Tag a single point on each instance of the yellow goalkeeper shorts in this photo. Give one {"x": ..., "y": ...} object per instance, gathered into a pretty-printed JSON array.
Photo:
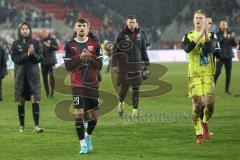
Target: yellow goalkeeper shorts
[{"x": 199, "y": 86}]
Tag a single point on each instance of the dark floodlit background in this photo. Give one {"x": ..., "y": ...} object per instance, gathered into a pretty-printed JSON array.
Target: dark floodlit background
[{"x": 164, "y": 21}]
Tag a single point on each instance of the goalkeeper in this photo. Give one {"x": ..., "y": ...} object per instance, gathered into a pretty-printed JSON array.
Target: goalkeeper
[{"x": 199, "y": 44}]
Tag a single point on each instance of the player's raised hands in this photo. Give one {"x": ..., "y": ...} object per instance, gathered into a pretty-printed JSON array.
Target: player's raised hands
[
  {"x": 30, "y": 50},
  {"x": 86, "y": 55}
]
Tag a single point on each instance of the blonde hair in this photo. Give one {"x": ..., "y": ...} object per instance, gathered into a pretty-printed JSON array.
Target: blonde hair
[{"x": 199, "y": 11}]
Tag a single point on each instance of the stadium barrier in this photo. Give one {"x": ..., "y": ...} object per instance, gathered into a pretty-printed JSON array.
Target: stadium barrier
[{"x": 154, "y": 56}]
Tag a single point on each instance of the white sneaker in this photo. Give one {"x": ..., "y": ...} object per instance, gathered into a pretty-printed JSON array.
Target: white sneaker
[
  {"x": 38, "y": 130},
  {"x": 21, "y": 129},
  {"x": 135, "y": 113},
  {"x": 120, "y": 109}
]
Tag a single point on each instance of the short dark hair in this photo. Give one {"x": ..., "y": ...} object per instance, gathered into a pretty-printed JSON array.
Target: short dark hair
[
  {"x": 131, "y": 17},
  {"x": 82, "y": 20}
]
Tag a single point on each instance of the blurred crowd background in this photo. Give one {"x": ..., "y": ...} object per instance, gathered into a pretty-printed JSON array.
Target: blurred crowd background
[{"x": 164, "y": 21}]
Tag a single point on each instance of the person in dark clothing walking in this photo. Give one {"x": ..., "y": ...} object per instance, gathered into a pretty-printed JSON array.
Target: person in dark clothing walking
[
  {"x": 49, "y": 60},
  {"x": 3, "y": 68},
  {"x": 27, "y": 54},
  {"x": 227, "y": 42},
  {"x": 129, "y": 59}
]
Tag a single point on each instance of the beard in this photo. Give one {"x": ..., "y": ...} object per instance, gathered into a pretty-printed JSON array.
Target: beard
[
  {"x": 81, "y": 34},
  {"x": 25, "y": 35}
]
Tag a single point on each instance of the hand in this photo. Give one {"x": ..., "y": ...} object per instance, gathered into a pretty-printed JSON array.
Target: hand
[
  {"x": 115, "y": 69},
  {"x": 202, "y": 32},
  {"x": 206, "y": 27},
  {"x": 225, "y": 33},
  {"x": 31, "y": 50},
  {"x": 47, "y": 44},
  {"x": 86, "y": 55}
]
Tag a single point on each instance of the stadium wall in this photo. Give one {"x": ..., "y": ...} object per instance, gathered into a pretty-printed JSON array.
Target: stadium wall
[{"x": 154, "y": 56}]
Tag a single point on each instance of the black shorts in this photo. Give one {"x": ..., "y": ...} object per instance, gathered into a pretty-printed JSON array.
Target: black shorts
[{"x": 86, "y": 98}]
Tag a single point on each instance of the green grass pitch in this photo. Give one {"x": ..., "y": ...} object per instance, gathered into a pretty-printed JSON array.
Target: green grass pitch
[{"x": 159, "y": 136}]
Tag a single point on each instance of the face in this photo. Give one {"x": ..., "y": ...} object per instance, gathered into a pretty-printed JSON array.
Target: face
[
  {"x": 131, "y": 24},
  {"x": 223, "y": 25},
  {"x": 209, "y": 23},
  {"x": 25, "y": 31},
  {"x": 45, "y": 33},
  {"x": 82, "y": 29},
  {"x": 199, "y": 20}
]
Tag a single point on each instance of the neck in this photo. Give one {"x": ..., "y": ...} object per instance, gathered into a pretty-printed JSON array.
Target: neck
[
  {"x": 198, "y": 29},
  {"x": 81, "y": 39},
  {"x": 132, "y": 30},
  {"x": 24, "y": 40}
]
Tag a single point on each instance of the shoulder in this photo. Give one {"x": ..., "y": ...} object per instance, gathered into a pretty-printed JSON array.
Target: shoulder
[
  {"x": 36, "y": 42},
  {"x": 187, "y": 36},
  {"x": 70, "y": 42},
  {"x": 15, "y": 42},
  {"x": 122, "y": 33},
  {"x": 213, "y": 35}
]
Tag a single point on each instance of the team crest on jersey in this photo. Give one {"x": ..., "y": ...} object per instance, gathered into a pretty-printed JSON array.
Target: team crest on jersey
[
  {"x": 74, "y": 48},
  {"x": 138, "y": 37},
  {"x": 90, "y": 48},
  {"x": 127, "y": 37},
  {"x": 20, "y": 48}
]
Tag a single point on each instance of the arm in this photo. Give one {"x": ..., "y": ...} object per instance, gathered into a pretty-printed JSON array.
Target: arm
[
  {"x": 71, "y": 63},
  {"x": 116, "y": 51},
  {"x": 54, "y": 44},
  {"x": 37, "y": 54},
  {"x": 215, "y": 45},
  {"x": 144, "y": 54},
  {"x": 233, "y": 42},
  {"x": 97, "y": 62},
  {"x": 3, "y": 63},
  {"x": 188, "y": 45},
  {"x": 16, "y": 57}
]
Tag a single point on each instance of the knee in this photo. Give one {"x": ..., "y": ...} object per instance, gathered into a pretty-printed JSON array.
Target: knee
[
  {"x": 135, "y": 88},
  {"x": 33, "y": 99},
  {"x": 210, "y": 102},
  {"x": 79, "y": 113},
  {"x": 21, "y": 102},
  {"x": 197, "y": 105},
  {"x": 92, "y": 115},
  {"x": 198, "y": 101}
]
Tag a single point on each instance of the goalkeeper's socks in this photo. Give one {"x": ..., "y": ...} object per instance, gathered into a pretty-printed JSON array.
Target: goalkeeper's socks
[
  {"x": 21, "y": 114},
  {"x": 79, "y": 128},
  {"x": 35, "y": 113}
]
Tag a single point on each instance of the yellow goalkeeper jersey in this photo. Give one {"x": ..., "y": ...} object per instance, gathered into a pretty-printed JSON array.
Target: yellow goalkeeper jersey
[{"x": 195, "y": 55}]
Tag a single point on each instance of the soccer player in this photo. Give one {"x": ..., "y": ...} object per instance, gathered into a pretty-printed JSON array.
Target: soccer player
[
  {"x": 199, "y": 46},
  {"x": 83, "y": 59},
  {"x": 129, "y": 58},
  {"x": 49, "y": 60},
  {"x": 27, "y": 54},
  {"x": 3, "y": 68}
]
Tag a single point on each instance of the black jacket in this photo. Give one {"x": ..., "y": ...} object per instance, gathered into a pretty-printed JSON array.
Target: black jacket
[
  {"x": 49, "y": 55},
  {"x": 27, "y": 71},
  {"x": 226, "y": 45},
  {"x": 3, "y": 63},
  {"x": 130, "y": 55}
]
